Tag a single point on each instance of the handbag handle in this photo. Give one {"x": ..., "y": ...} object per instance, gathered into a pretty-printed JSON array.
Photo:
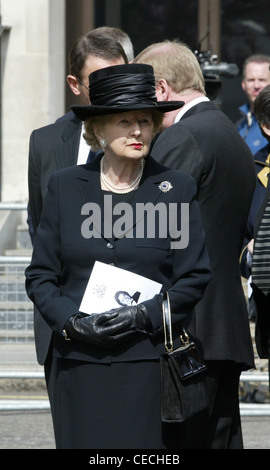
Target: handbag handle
[{"x": 167, "y": 324}]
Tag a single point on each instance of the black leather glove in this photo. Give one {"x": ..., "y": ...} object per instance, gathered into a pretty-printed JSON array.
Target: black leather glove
[
  {"x": 136, "y": 318},
  {"x": 97, "y": 329}
]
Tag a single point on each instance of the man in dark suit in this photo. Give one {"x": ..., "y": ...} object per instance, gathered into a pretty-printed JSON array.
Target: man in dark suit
[
  {"x": 200, "y": 140},
  {"x": 61, "y": 145}
]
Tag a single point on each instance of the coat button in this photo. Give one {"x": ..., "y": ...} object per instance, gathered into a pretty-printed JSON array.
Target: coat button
[{"x": 109, "y": 245}]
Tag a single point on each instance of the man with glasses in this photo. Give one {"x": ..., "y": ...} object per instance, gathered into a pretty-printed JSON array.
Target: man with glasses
[{"x": 62, "y": 144}]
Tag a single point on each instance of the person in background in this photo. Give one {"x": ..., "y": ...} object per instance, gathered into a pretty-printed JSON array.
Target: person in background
[
  {"x": 259, "y": 301},
  {"x": 201, "y": 140},
  {"x": 261, "y": 276},
  {"x": 262, "y": 165},
  {"x": 121, "y": 37},
  {"x": 64, "y": 139},
  {"x": 106, "y": 366},
  {"x": 82, "y": 52},
  {"x": 256, "y": 75},
  {"x": 60, "y": 145}
]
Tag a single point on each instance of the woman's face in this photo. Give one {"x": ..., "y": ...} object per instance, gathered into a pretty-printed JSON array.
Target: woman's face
[{"x": 127, "y": 134}]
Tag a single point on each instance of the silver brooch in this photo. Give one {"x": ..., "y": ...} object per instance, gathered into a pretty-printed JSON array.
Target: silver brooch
[{"x": 165, "y": 186}]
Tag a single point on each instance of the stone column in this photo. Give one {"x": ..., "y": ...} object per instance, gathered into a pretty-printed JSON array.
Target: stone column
[{"x": 32, "y": 83}]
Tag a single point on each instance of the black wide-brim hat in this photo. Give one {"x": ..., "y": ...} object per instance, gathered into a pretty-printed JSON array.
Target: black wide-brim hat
[{"x": 121, "y": 88}]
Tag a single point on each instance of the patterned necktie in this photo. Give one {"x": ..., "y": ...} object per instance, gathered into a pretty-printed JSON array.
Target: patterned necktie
[{"x": 261, "y": 253}]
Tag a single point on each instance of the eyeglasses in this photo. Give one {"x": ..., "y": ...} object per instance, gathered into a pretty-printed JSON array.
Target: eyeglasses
[{"x": 83, "y": 84}]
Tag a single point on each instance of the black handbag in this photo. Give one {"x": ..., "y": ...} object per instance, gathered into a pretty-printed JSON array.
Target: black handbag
[{"x": 183, "y": 390}]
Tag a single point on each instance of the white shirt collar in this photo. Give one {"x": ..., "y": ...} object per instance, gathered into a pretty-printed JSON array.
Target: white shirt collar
[
  {"x": 84, "y": 149},
  {"x": 189, "y": 105}
]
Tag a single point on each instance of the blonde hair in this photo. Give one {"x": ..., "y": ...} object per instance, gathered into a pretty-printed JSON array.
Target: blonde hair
[
  {"x": 175, "y": 62},
  {"x": 94, "y": 121}
]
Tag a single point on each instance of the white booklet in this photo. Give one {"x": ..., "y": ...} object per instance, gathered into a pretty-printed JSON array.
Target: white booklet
[{"x": 110, "y": 287}]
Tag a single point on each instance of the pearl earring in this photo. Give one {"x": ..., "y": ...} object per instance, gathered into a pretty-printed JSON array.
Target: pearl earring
[{"x": 103, "y": 143}]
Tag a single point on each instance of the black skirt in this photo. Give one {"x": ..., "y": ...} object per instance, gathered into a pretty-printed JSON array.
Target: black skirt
[{"x": 115, "y": 406}]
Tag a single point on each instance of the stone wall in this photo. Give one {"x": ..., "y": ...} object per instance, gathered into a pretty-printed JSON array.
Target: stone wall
[{"x": 32, "y": 82}]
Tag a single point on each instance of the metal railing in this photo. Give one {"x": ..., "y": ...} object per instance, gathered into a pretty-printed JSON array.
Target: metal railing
[
  {"x": 16, "y": 315},
  {"x": 17, "y": 349},
  {"x": 13, "y": 206}
]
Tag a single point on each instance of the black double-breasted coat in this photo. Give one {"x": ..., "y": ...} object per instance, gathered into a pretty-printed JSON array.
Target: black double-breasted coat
[
  {"x": 63, "y": 258},
  {"x": 62, "y": 261}
]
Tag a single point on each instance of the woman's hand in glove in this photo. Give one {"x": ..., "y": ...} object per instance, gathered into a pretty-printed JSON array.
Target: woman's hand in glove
[
  {"x": 98, "y": 329},
  {"x": 135, "y": 316}
]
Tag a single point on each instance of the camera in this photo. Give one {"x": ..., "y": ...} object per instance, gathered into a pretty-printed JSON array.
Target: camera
[
  {"x": 212, "y": 68},
  {"x": 213, "y": 71}
]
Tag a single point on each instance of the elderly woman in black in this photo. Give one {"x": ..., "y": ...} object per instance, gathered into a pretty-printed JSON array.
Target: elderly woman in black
[{"x": 107, "y": 364}]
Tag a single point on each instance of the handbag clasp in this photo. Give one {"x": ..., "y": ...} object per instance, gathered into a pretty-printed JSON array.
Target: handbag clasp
[{"x": 184, "y": 337}]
